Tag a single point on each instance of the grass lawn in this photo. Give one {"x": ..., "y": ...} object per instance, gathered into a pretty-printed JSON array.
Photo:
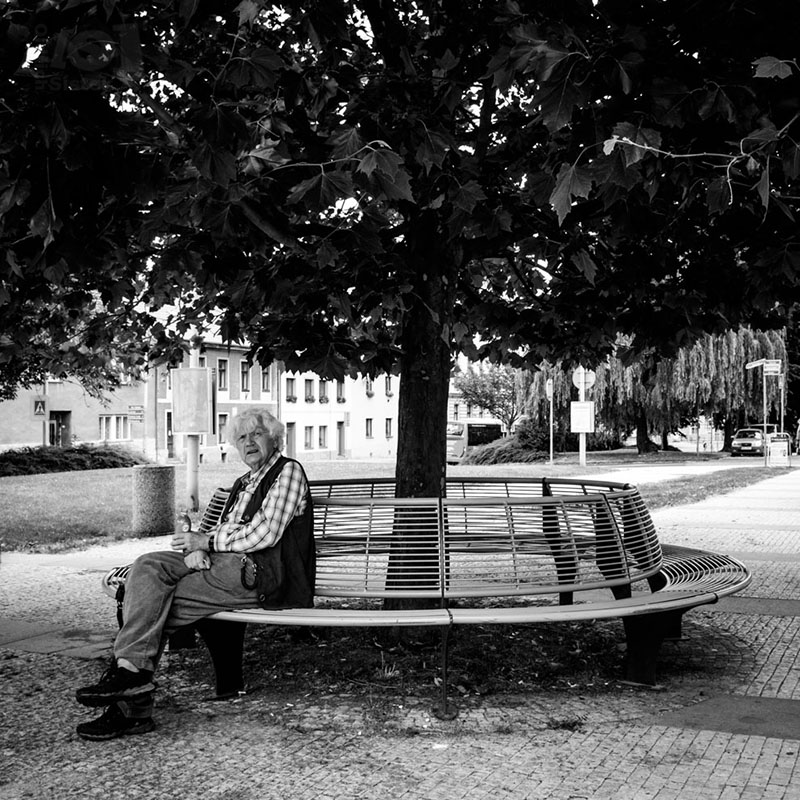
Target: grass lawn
[{"x": 67, "y": 510}]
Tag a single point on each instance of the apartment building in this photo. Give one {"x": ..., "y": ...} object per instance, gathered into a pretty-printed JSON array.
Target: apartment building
[{"x": 349, "y": 419}]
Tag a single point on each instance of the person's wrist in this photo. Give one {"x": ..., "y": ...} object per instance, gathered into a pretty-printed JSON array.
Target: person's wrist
[{"x": 209, "y": 547}]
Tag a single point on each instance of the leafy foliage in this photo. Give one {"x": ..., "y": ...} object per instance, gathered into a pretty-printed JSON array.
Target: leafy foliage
[
  {"x": 708, "y": 378},
  {"x": 37, "y": 460},
  {"x": 493, "y": 388},
  {"x": 362, "y": 186}
]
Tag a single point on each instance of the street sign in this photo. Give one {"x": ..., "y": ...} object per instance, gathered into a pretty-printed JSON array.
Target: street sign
[
  {"x": 581, "y": 417},
  {"x": 136, "y": 413},
  {"x": 587, "y": 376},
  {"x": 548, "y": 388},
  {"x": 772, "y": 366},
  {"x": 40, "y": 407},
  {"x": 192, "y": 400}
]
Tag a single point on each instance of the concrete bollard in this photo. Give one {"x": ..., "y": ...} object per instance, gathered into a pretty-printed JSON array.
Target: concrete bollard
[{"x": 153, "y": 500}]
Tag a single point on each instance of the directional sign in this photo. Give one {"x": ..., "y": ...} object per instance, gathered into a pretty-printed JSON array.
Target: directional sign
[
  {"x": 586, "y": 375},
  {"x": 772, "y": 366}
]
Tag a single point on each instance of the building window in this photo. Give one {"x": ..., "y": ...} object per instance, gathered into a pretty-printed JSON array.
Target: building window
[
  {"x": 291, "y": 391},
  {"x": 309, "y": 437},
  {"x": 222, "y": 374},
  {"x": 244, "y": 369},
  {"x": 369, "y": 428},
  {"x": 266, "y": 383},
  {"x": 455, "y": 410},
  {"x": 222, "y": 428},
  {"x": 323, "y": 437},
  {"x": 309, "y": 390},
  {"x": 388, "y": 427},
  {"x": 389, "y": 392},
  {"x": 340, "y": 398},
  {"x": 114, "y": 427},
  {"x": 368, "y": 384},
  {"x": 469, "y": 410},
  {"x": 323, "y": 391}
]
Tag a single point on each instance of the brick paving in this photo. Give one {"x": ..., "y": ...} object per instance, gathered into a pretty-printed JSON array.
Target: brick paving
[{"x": 712, "y": 732}]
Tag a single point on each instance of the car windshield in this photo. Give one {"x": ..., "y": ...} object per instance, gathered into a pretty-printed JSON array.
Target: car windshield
[{"x": 748, "y": 435}]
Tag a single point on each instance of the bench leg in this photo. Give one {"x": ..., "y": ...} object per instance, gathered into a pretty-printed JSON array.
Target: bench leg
[
  {"x": 444, "y": 709},
  {"x": 225, "y": 642},
  {"x": 644, "y": 635}
]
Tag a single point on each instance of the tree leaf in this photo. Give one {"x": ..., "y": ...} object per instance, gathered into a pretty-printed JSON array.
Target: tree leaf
[
  {"x": 771, "y": 67},
  {"x": 322, "y": 190},
  {"x": 585, "y": 264},
  {"x": 558, "y": 101},
  {"x": 468, "y": 196},
  {"x": 395, "y": 188},
  {"x": 763, "y": 189},
  {"x": 345, "y": 143},
  {"x": 386, "y": 162},
  {"x": 571, "y": 182},
  {"x": 646, "y": 138}
]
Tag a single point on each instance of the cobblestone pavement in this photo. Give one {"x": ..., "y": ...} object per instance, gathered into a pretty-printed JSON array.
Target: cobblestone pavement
[{"x": 722, "y": 727}]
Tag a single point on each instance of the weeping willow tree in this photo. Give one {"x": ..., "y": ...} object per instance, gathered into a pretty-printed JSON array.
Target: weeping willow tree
[{"x": 708, "y": 379}]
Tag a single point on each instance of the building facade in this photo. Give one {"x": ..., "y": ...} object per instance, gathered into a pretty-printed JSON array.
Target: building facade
[{"x": 352, "y": 418}]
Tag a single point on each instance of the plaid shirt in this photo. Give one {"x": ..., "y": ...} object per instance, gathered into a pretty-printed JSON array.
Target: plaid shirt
[{"x": 283, "y": 502}]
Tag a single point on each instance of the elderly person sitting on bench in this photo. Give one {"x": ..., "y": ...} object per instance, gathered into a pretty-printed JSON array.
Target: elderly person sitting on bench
[{"x": 260, "y": 554}]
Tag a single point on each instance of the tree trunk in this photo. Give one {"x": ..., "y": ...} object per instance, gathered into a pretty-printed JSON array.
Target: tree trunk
[
  {"x": 643, "y": 443},
  {"x": 422, "y": 417},
  {"x": 425, "y": 375}
]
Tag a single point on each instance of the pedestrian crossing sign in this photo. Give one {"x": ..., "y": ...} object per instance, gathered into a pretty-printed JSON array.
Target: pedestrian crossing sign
[{"x": 39, "y": 407}]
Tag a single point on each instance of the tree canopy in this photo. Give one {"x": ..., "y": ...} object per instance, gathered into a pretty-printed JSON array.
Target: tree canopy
[{"x": 370, "y": 185}]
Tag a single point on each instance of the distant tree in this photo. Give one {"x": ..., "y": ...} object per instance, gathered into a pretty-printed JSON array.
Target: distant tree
[
  {"x": 495, "y": 388},
  {"x": 706, "y": 379}
]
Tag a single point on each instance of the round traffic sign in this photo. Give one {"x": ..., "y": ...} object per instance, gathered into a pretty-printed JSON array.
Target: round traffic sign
[{"x": 588, "y": 377}]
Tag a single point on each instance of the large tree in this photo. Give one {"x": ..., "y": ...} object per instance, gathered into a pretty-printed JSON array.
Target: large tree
[{"x": 369, "y": 185}]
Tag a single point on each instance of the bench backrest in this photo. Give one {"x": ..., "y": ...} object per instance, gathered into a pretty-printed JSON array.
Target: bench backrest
[
  {"x": 466, "y": 547},
  {"x": 498, "y": 536}
]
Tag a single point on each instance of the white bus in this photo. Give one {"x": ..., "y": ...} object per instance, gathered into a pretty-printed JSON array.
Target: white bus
[{"x": 465, "y": 435}]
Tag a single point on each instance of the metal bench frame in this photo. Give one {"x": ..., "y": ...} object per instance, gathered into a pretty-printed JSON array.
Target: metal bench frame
[{"x": 551, "y": 550}]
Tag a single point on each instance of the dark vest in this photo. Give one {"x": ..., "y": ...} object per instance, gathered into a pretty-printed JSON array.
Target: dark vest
[{"x": 285, "y": 573}]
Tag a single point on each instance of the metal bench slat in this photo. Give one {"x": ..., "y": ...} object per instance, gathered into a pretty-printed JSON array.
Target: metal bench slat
[{"x": 337, "y": 617}]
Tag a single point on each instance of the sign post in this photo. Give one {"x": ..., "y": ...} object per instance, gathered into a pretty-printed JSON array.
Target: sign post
[
  {"x": 582, "y": 413},
  {"x": 192, "y": 405},
  {"x": 40, "y": 413},
  {"x": 771, "y": 366},
  {"x": 548, "y": 390}
]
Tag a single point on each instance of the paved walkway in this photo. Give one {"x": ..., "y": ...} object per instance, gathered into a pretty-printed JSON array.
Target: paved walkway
[{"x": 723, "y": 727}]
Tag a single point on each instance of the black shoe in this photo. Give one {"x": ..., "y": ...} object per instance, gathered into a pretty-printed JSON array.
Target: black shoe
[
  {"x": 117, "y": 683},
  {"x": 112, "y": 724}
]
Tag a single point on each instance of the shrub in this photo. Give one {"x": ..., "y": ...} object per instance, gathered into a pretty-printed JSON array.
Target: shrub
[
  {"x": 504, "y": 451},
  {"x": 531, "y": 442},
  {"x": 35, "y": 460}
]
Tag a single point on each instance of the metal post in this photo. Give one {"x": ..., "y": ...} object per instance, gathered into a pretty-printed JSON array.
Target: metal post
[
  {"x": 193, "y": 453},
  {"x": 549, "y": 393},
  {"x": 764, "y": 400},
  {"x": 582, "y": 398}
]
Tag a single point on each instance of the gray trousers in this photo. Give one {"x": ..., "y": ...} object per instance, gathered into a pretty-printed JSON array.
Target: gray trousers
[{"x": 161, "y": 595}]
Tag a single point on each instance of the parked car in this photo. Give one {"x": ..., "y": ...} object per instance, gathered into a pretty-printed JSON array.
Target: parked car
[{"x": 748, "y": 442}]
